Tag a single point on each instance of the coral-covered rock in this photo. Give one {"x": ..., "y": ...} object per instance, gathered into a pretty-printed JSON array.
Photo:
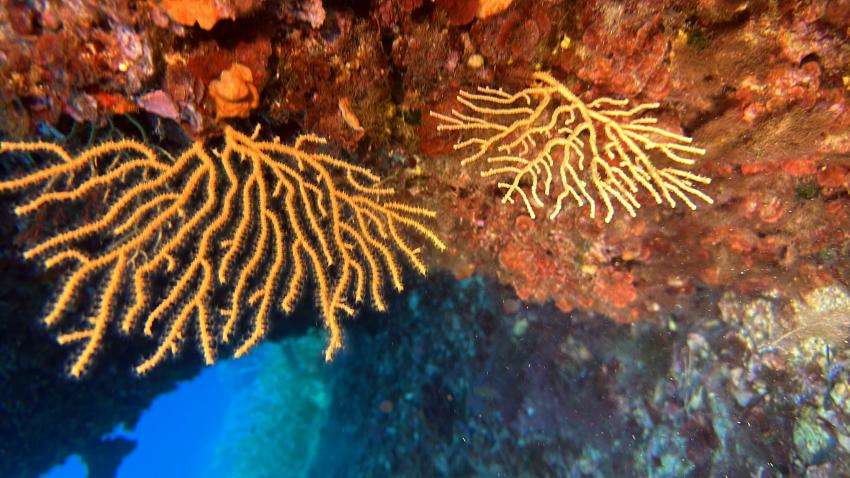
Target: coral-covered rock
[
  {"x": 325, "y": 82},
  {"x": 311, "y": 12},
  {"x": 189, "y": 75},
  {"x": 764, "y": 97},
  {"x": 59, "y": 56},
  {"x": 159, "y": 103},
  {"x": 623, "y": 49},
  {"x": 520, "y": 36},
  {"x": 395, "y": 14},
  {"x": 459, "y": 12}
]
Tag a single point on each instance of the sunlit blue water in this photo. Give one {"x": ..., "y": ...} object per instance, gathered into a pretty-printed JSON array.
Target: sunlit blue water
[
  {"x": 175, "y": 437},
  {"x": 209, "y": 425}
]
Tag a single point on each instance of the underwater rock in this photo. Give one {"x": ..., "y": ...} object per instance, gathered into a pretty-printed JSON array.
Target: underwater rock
[
  {"x": 159, "y": 103},
  {"x": 624, "y": 50},
  {"x": 310, "y": 11},
  {"x": 61, "y": 54},
  {"x": 459, "y": 12},
  {"x": 105, "y": 456},
  {"x": 812, "y": 439}
]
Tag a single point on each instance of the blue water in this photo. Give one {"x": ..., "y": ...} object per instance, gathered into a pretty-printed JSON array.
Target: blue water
[
  {"x": 273, "y": 401},
  {"x": 175, "y": 437},
  {"x": 72, "y": 468}
]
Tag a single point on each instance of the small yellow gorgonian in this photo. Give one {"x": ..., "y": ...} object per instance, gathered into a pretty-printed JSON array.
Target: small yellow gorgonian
[{"x": 545, "y": 141}]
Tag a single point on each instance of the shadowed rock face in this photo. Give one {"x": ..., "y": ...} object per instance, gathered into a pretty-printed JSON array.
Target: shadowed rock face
[{"x": 106, "y": 456}]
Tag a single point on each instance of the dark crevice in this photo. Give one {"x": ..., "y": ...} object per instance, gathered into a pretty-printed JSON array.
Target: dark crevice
[
  {"x": 360, "y": 8},
  {"x": 720, "y": 104}
]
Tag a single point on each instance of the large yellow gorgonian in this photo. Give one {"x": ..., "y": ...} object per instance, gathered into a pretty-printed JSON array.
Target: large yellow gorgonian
[
  {"x": 545, "y": 140},
  {"x": 243, "y": 227}
]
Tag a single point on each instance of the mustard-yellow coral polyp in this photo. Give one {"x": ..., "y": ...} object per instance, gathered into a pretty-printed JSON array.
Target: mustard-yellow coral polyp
[
  {"x": 252, "y": 222},
  {"x": 545, "y": 141}
]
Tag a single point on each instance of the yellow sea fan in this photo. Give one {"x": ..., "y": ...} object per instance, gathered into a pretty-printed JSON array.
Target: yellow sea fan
[{"x": 252, "y": 221}]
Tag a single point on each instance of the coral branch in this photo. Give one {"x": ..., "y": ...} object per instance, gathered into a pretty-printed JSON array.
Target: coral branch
[
  {"x": 181, "y": 233},
  {"x": 595, "y": 151}
]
